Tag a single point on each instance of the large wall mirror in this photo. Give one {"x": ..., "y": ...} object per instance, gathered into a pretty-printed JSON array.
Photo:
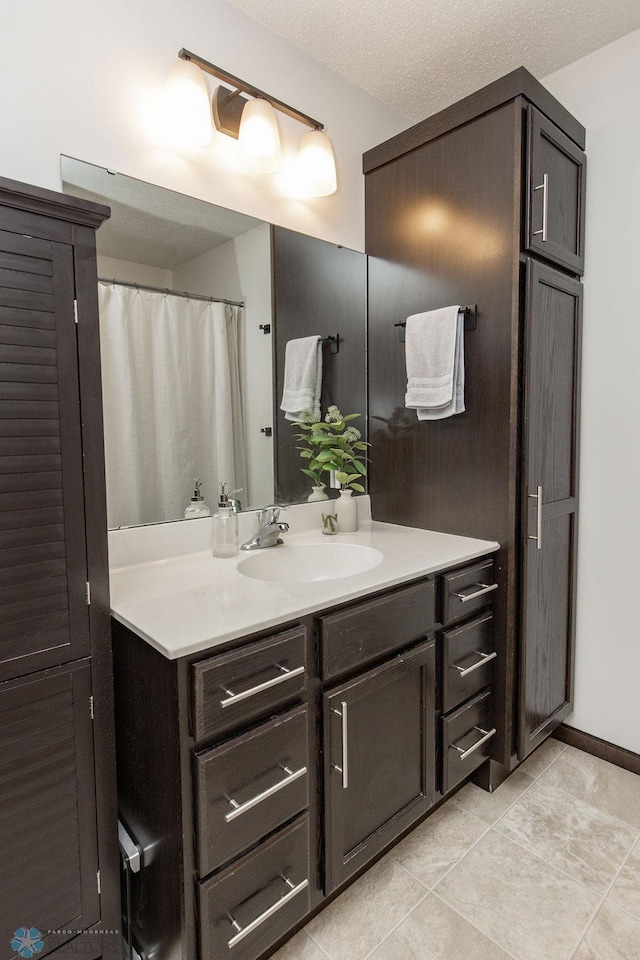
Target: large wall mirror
[{"x": 197, "y": 303}]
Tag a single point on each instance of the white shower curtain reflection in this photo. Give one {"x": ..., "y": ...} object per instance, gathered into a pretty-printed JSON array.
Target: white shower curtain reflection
[{"x": 172, "y": 405}]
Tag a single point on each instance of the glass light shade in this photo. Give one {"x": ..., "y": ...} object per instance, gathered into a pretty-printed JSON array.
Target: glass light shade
[
  {"x": 317, "y": 164},
  {"x": 258, "y": 138},
  {"x": 187, "y": 107}
]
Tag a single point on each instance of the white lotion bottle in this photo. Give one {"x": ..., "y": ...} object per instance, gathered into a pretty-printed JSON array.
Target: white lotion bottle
[{"x": 224, "y": 542}]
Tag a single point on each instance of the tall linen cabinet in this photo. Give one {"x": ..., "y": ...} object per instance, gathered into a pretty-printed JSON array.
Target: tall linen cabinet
[
  {"x": 483, "y": 204},
  {"x": 59, "y": 874}
]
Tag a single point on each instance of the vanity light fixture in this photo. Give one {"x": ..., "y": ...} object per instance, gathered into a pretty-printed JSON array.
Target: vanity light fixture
[
  {"x": 251, "y": 120},
  {"x": 258, "y": 138},
  {"x": 187, "y": 110}
]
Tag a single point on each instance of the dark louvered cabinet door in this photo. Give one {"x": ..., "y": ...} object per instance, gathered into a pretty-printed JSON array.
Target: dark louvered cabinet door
[
  {"x": 550, "y": 501},
  {"x": 48, "y": 816},
  {"x": 43, "y": 607}
]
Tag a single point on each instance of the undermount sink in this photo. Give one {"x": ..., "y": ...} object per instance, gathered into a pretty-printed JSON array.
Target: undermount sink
[{"x": 306, "y": 563}]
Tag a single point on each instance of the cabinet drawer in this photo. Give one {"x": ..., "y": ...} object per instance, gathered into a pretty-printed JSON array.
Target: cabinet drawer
[
  {"x": 467, "y": 590},
  {"x": 467, "y": 660},
  {"x": 249, "y": 786},
  {"x": 353, "y": 637},
  {"x": 233, "y": 688},
  {"x": 251, "y": 904},
  {"x": 466, "y": 740}
]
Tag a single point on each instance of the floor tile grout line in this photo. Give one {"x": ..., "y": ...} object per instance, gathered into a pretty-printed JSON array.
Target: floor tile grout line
[
  {"x": 507, "y": 953},
  {"x": 315, "y": 943},
  {"x": 454, "y": 865},
  {"x": 401, "y": 921},
  {"x": 566, "y": 793},
  {"x": 612, "y": 903},
  {"x": 596, "y": 893},
  {"x": 387, "y": 935},
  {"x": 603, "y": 813},
  {"x": 505, "y": 811},
  {"x": 602, "y": 898},
  {"x": 586, "y": 929},
  {"x": 583, "y": 932},
  {"x": 615, "y": 880}
]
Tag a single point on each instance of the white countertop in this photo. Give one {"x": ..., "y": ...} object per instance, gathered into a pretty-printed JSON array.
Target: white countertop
[{"x": 192, "y": 602}]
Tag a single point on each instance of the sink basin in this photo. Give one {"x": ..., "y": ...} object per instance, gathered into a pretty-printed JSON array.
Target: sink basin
[{"x": 306, "y": 563}]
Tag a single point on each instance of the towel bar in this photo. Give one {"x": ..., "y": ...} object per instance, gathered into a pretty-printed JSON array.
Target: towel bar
[
  {"x": 470, "y": 321},
  {"x": 334, "y": 341}
]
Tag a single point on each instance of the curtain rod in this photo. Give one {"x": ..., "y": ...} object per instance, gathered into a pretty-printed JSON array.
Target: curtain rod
[{"x": 170, "y": 293}]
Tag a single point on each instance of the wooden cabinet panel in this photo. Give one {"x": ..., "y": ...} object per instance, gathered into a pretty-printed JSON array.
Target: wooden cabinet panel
[
  {"x": 551, "y": 400},
  {"x": 555, "y": 193},
  {"x": 57, "y": 784},
  {"x": 247, "y": 907},
  {"x": 44, "y": 619},
  {"x": 49, "y": 862},
  {"x": 379, "y": 764},
  {"x": 249, "y": 786},
  {"x": 357, "y": 635},
  {"x": 233, "y": 688},
  {"x": 466, "y": 740},
  {"x": 467, "y": 660},
  {"x": 547, "y": 674}
]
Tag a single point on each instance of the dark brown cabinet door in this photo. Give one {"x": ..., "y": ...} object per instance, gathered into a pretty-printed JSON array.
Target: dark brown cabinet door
[
  {"x": 551, "y": 397},
  {"x": 43, "y": 608},
  {"x": 48, "y": 822},
  {"x": 556, "y": 194},
  {"x": 379, "y": 758}
]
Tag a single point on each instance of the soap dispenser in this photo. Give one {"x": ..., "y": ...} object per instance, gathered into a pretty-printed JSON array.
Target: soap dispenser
[
  {"x": 197, "y": 507},
  {"x": 225, "y": 528}
]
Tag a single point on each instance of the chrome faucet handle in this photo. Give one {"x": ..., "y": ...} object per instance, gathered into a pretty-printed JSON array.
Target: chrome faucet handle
[{"x": 270, "y": 514}]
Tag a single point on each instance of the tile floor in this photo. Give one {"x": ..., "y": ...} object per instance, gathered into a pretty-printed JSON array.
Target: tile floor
[{"x": 546, "y": 868}]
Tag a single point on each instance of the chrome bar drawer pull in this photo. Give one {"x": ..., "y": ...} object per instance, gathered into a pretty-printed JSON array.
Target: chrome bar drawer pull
[
  {"x": 250, "y": 927},
  {"x": 484, "y": 658},
  {"x": 538, "y": 498},
  {"x": 486, "y": 735},
  {"x": 484, "y": 588},
  {"x": 544, "y": 186},
  {"x": 240, "y": 808},
  {"x": 344, "y": 769},
  {"x": 252, "y": 691}
]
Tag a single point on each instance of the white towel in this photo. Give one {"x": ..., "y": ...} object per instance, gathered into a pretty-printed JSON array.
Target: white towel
[
  {"x": 302, "y": 377},
  {"x": 435, "y": 363}
]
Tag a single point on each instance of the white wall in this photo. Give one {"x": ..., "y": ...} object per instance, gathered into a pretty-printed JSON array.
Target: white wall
[
  {"x": 241, "y": 270},
  {"x": 602, "y": 92},
  {"x": 111, "y": 268},
  {"x": 81, "y": 78}
]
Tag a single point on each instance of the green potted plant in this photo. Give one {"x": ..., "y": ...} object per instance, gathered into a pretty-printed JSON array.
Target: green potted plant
[
  {"x": 309, "y": 445},
  {"x": 334, "y": 445}
]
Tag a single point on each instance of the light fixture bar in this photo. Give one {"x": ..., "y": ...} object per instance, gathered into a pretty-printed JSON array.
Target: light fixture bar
[{"x": 247, "y": 88}]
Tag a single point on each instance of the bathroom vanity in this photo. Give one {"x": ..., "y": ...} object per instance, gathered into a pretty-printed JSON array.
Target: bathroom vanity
[{"x": 275, "y": 736}]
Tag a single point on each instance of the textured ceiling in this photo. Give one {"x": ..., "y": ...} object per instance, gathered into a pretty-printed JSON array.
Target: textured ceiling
[
  {"x": 149, "y": 224},
  {"x": 419, "y": 56}
]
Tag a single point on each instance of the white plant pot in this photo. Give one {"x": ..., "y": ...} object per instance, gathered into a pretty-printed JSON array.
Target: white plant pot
[
  {"x": 317, "y": 493},
  {"x": 346, "y": 512}
]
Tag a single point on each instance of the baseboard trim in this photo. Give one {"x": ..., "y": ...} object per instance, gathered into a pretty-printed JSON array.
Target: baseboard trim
[{"x": 622, "y": 757}]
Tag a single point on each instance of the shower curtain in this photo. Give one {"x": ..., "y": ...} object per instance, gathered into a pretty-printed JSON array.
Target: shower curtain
[{"x": 172, "y": 405}]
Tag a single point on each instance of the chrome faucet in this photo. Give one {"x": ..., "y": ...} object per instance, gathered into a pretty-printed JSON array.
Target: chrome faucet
[{"x": 269, "y": 529}]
